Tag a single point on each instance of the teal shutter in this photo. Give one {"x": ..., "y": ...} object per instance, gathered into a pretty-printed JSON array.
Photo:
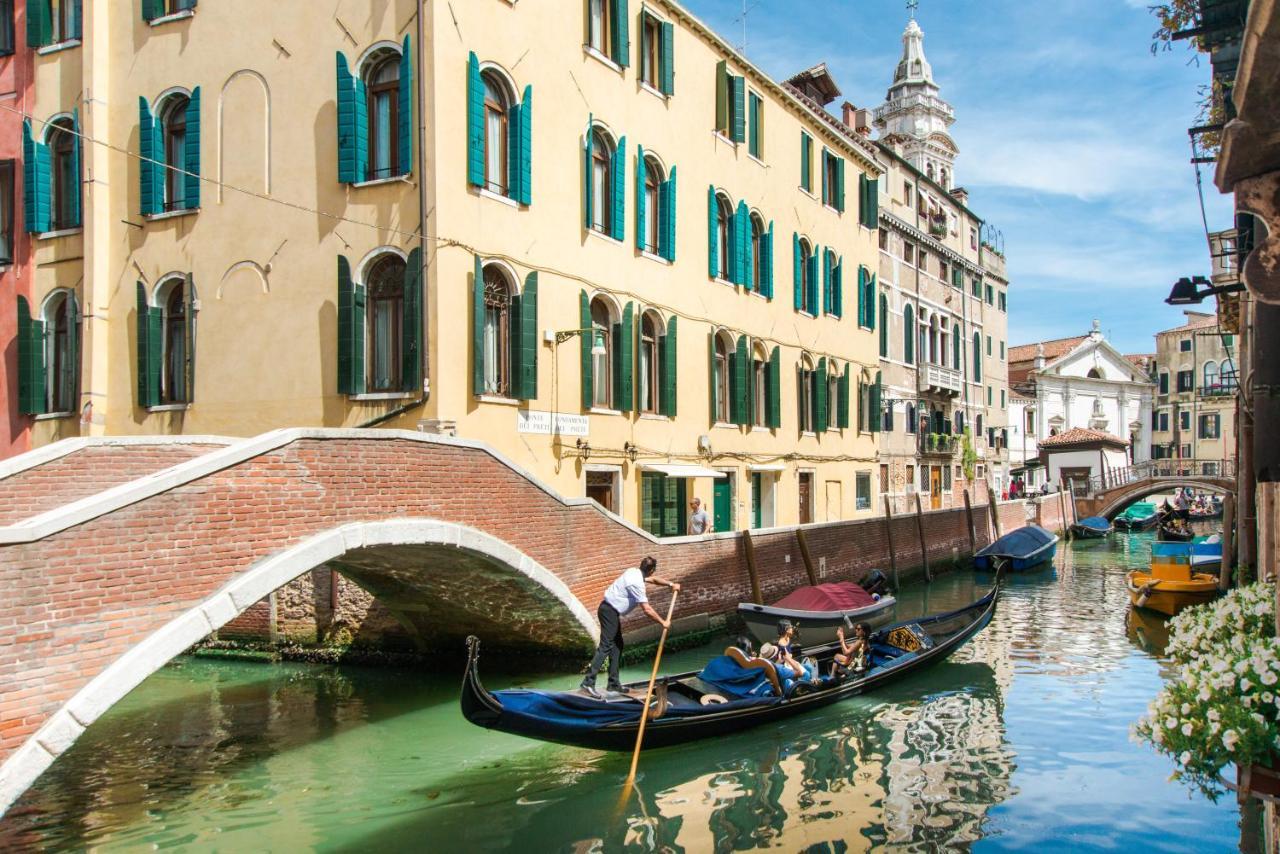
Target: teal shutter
[
  {"x": 477, "y": 327},
  {"x": 152, "y": 9},
  {"x": 411, "y": 323},
  {"x": 766, "y": 263},
  {"x": 977, "y": 357},
  {"x": 624, "y": 360},
  {"x": 141, "y": 320},
  {"x": 640, "y": 200},
  {"x": 773, "y": 400},
  {"x": 711, "y": 355},
  {"x": 820, "y": 396},
  {"x": 350, "y": 332},
  {"x": 191, "y": 153},
  {"x": 618, "y": 223},
  {"x": 75, "y": 18},
  {"x": 740, "y": 380},
  {"x": 39, "y": 23},
  {"x": 585, "y": 343},
  {"x": 670, "y": 372},
  {"x": 525, "y": 196},
  {"x": 475, "y": 124},
  {"x": 155, "y": 354},
  {"x": 839, "y": 201},
  {"x": 826, "y": 280},
  {"x": 806, "y": 165},
  {"x": 908, "y": 334},
  {"x": 722, "y": 97},
  {"x": 668, "y": 76},
  {"x": 189, "y": 339},
  {"x": 74, "y": 206},
  {"x": 36, "y": 183},
  {"x": 741, "y": 240},
  {"x": 739, "y": 86},
  {"x": 826, "y": 197},
  {"x": 753, "y": 131},
  {"x": 621, "y": 34},
  {"x": 873, "y": 195},
  {"x": 863, "y": 308},
  {"x": 749, "y": 253},
  {"x": 713, "y": 241},
  {"x": 667, "y": 217},
  {"x": 150, "y": 202},
  {"x": 875, "y": 416},
  {"x": 405, "y": 108},
  {"x": 842, "y": 408},
  {"x": 353, "y": 126},
  {"x": 812, "y": 296},
  {"x": 955, "y": 350},
  {"x": 71, "y": 370},
  {"x": 837, "y": 289},
  {"x": 588, "y": 187},
  {"x": 797, "y": 271},
  {"x": 515, "y": 116},
  {"x": 871, "y": 302},
  {"x": 884, "y": 330},
  {"x": 527, "y": 371},
  {"x": 31, "y": 376}
]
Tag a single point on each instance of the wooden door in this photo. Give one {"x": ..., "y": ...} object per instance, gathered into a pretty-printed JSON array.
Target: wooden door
[
  {"x": 806, "y": 497},
  {"x": 722, "y": 501},
  {"x": 935, "y": 487}
]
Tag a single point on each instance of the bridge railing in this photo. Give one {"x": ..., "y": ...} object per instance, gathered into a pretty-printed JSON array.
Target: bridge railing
[{"x": 1165, "y": 468}]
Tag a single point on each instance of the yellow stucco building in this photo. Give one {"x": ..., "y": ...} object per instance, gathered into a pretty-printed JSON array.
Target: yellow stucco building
[{"x": 586, "y": 232}]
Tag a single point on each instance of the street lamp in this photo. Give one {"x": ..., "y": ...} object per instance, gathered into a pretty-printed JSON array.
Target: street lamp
[
  {"x": 1186, "y": 291},
  {"x": 597, "y": 338}
]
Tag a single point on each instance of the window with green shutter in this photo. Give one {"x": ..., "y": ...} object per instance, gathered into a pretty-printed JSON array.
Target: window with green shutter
[
  {"x": 875, "y": 414},
  {"x": 656, "y": 61},
  {"x": 48, "y": 24},
  {"x": 36, "y": 183},
  {"x": 604, "y": 176},
  {"x": 832, "y": 179},
  {"x": 868, "y": 201},
  {"x": 806, "y": 162},
  {"x": 820, "y": 409},
  {"x": 624, "y": 334},
  {"x": 155, "y": 11},
  {"x": 842, "y": 408},
  {"x": 908, "y": 334},
  {"x": 731, "y": 104},
  {"x": 755, "y": 125},
  {"x": 662, "y": 503},
  {"x": 169, "y": 171},
  {"x": 351, "y": 321},
  {"x": 884, "y": 327},
  {"x": 773, "y": 393},
  {"x": 977, "y": 357},
  {"x": 740, "y": 382},
  {"x": 150, "y": 349},
  {"x": 31, "y": 367},
  {"x": 668, "y": 369}
]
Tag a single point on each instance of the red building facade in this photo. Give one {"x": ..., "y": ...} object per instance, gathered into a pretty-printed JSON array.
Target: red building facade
[{"x": 16, "y": 268}]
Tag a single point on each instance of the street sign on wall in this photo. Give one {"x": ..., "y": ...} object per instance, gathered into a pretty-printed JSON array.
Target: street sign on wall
[{"x": 547, "y": 423}]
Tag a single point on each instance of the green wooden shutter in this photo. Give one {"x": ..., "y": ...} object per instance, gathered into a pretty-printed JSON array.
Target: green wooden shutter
[
  {"x": 588, "y": 186},
  {"x": 741, "y": 242},
  {"x": 908, "y": 334},
  {"x": 36, "y": 186},
  {"x": 955, "y": 352},
  {"x": 773, "y": 402},
  {"x": 152, "y": 9},
  {"x": 71, "y": 369},
  {"x": 826, "y": 196},
  {"x": 749, "y": 253},
  {"x": 977, "y": 357},
  {"x": 411, "y": 324},
  {"x": 346, "y": 328},
  {"x": 640, "y": 200},
  {"x": 863, "y": 308},
  {"x": 39, "y": 23},
  {"x": 525, "y": 172},
  {"x": 874, "y": 417},
  {"x": 839, "y": 203},
  {"x": 670, "y": 374},
  {"x": 722, "y": 96},
  {"x": 477, "y": 327},
  {"x": 618, "y": 224},
  {"x": 31, "y": 393},
  {"x": 668, "y": 76},
  {"x": 147, "y": 165},
  {"x": 528, "y": 365},
  {"x": 806, "y": 164},
  {"x": 624, "y": 363},
  {"x": 826, "y": 280},
  {"x": 349, "y": 161},
  {"x": 797, "y": 271},
  {"x": 884, "y": 329},
  {"x": 820, "y": 396},
  {"x": 621, "y": 33},
  {"x": 713, "y": 241},
  {"x": 74, "y": 203},
  {"x": 515, "y": 116},
  {"x": 739, "y": 86},
  {"x": 837, "y": 289},
  {"x": 141, "y": 320},
  {"x": 871, "y": 301},
  {"x": 753, "y": 121},
  {"x": 475, "y": 123},
  {"x": 871, "y": 211},
  {"x": 155, "y": 354},
  {"x": 713, "y": 396},
  {"x": 585, "y": 343},
  {"x": 740, "y": 380},
  {"x": 766, "y": 263},
  {"x": 189, "y": 338},
  {"x": 667, "y": 217},
  {"x": 842, "y": 409},
  {"x": 191, "y": 153},
  {"x": 650, "y": 507},
  {"x": 812, "y": 296},
  {"x": 405, "y": 108},
  {"x": 75, "y": 20}
]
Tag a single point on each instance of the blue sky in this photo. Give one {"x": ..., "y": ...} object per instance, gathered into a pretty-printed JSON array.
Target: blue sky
[{"x": 1072, "y": 136}]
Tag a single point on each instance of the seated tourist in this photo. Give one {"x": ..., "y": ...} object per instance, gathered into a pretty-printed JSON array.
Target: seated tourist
[
  {"x": 853, "y": 655},
  {"x": 786, "y": 674},
  {"x": 786, "y": 640}
]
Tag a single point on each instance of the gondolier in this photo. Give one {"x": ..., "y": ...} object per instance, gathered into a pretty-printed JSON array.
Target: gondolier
[{"x": 622, "y": 597}]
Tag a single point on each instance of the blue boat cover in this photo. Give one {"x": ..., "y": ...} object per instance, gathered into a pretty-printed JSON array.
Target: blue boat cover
[
  {"x": 734, "y": 680},
  {"x": 1097, "y": 523},
  {"x": 1019, "y": 543}
]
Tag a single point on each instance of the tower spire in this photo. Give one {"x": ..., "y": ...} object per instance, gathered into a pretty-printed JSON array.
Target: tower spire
[
  {"x": 914, "y": 118},
  {"x": 912, "y": 5}
]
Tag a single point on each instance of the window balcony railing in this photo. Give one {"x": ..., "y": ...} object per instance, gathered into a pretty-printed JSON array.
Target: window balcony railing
[
  {"x": 938, "y": 443},
  {"x": 939, "y": 379}
]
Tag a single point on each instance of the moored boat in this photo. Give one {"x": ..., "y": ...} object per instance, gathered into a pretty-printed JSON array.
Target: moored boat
[
  {"x": 1170, "y": 533},
  {"x": 1018, "y": 551},
  {"x": 1171, "y": 584},
  {"x": 1140, "y": 516},
  {"x": 732, "y": 693},
  {"x": 818, "y": 611},
  {"x": 1091, "y": 528}
]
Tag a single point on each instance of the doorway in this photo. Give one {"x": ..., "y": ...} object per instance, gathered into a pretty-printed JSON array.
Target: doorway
[
  {"x": 935, "y": 487},
  {"x": 603, "y": 488},
  {"x": 806, "y": 497},
  {"x": 722, "y": 503}
]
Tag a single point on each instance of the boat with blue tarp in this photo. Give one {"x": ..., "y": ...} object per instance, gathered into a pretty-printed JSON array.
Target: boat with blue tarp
[
  {"x": 733, "y": 692},
  {"x": 1139, "y": 516},
  {"x": 1091, "y": 528},
  {"x": 1025, "y": 549}
]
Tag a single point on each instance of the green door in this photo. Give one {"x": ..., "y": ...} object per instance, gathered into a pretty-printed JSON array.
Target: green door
[
  {"x": 723, "y": 500},
  {"x": 757, "y": 500}
]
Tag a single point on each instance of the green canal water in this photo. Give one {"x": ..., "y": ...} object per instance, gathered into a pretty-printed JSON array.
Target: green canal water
[{"x": 1020, "y": 741}]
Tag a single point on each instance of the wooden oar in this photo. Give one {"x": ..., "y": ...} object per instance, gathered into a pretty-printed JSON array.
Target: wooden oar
[{"x": 648, "y": 694}]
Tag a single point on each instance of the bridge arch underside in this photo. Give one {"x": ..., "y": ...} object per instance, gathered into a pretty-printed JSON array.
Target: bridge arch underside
[{"x": 1115, "y": 502}]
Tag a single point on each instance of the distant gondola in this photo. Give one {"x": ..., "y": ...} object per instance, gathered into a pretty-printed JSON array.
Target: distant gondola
[
  {"x": 1170, "y": 534},
  {"x": 1091, "y": 528},
  {"x": 1018, "y": 551},
  {"x": 689, "y": 708}
]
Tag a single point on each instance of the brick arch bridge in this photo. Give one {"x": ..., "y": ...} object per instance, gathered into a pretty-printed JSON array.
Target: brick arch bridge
[
  {"x": 118, "y": 554},
  {"x": 1111, "y": 493}
]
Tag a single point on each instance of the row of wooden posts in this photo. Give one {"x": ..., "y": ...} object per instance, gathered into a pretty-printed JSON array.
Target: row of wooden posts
[{"x": 994, "y": 520}]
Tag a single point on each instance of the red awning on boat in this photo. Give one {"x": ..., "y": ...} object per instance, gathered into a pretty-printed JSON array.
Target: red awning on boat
[{"x": 834, "y": 596}]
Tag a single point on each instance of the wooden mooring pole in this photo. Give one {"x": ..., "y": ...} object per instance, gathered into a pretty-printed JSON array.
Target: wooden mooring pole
[
  {"x": 924, "y": 548},
  {"x": 1062, "y": 512},
  {"x": 804, "y": 554},
  {"x": 749, "y": 548},
  {"x": 995, "y": 512},
  {"x": 1228, "y": 541},
  {"x": 973, "y": 533},
  {"x": 888, "y": 531}
]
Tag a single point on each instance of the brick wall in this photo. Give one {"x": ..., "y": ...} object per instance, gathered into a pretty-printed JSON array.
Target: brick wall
[{"x": 73, "y": 602}]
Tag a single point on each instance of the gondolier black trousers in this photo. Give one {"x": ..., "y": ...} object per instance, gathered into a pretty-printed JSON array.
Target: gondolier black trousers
[{"x": 610, "y": 647}]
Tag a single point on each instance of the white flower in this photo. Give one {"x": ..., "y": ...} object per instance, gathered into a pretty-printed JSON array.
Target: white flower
[
  {"x": 1170, "y": 723},
  {"x": 1229, "y": 739},
  {"x": 1213, "y": 713},
  {"x": 1186, "y": 728},
  {"x": 1268, "y": 677},
  {"x": 1245, "y": 684},
  {"x": 1186, "y": 709},
  {"x": 1185, "y": 757}
]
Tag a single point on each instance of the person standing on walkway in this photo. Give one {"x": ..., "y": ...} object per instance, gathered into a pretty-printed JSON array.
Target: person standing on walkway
[
  {"x": 623, "y": 595},
  {"x": 699, "y": 521}
]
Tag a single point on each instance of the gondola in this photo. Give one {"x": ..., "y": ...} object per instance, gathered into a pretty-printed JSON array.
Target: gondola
[
  {"x": 1170, "y": 534},
  {"x": 819, "y": 610},
  {"x": 1018, "y": 551},
  {"x": 689, "y": 707},
  {"x": 1091, "y": 528}
]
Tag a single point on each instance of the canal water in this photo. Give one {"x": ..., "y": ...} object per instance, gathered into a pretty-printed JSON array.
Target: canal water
[{"x": 1020, "y": 742}]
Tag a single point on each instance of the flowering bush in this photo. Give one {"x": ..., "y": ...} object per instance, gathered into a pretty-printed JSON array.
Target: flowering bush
[{"x": 1223, "y": 707}]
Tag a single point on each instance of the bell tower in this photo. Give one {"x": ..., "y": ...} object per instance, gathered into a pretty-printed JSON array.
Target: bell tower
[{"x": 914, "y": 119}]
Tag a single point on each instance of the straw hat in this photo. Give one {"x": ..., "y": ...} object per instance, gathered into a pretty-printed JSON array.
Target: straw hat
[{"x": 768, "y": 651}]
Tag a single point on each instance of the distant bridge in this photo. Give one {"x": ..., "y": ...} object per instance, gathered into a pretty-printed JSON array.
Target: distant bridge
[{"x": 1110, "y": 493}]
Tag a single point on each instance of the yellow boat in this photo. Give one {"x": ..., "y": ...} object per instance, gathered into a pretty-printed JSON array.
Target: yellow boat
[{"x": 1171, "y": 585}]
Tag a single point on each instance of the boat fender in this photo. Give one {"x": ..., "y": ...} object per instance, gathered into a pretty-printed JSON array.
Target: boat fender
[
  {"x": 658, "y": 705},
  {"x": 712, "y": 700},
  {"x": 1145, "y": 593}
]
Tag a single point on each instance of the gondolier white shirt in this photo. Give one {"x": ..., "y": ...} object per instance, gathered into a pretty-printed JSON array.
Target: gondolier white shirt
[{"x": 627, "y": 591}]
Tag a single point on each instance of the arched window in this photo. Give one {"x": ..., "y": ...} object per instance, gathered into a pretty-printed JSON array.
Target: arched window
[
  {"x": 65, "y": 169},
  {"x": 978, "y": 425},
  {"x": 724, "y": 235},
  {"x": 382, "y": 85},
  {"x": 911, "y": 418},
  {"x": 1094, "y": 374},
  {"x": 908, "y": 334},
  {"x": 650, "y": 367},
  {"x": 833, "y": 393},
  {"x": 1210, "y": 375},
  {"x": 497, "y": 331},
  {"x": 497, "y": 104},
  {"x": 652, "y": 206},
  {"x": 757, "y": 245},
  {"x": 601, "y": 181},
  {"x": 173, "y": 119},
  {"x": 760, "y": 386},
  {"x": 808, "y": 271},
  {"x": 884, "y": 326},
  {"x": 720, "y": 378},
  {"x": 955, "y": 349},
  {"x": 173, "y": 385},
  {"x": 808, "y": 395},
  {"x": 385, "y": 285},
  {"x": 602, "y": 363},
  {"x": 1228, "y": 375},
  {"x": 61, "y": 352},
  {"x": 977, "y": 360},
  {"x": 959, "y": 422}
]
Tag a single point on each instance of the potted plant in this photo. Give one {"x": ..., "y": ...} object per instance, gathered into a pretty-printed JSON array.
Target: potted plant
[{"x": 1223, "y": 705}]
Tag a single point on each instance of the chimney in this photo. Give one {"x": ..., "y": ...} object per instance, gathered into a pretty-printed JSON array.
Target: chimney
[
  {"x": 961, "y": 195},
  {"x": 856, "y": 120},
  {"x": 1038, "y": 364}
]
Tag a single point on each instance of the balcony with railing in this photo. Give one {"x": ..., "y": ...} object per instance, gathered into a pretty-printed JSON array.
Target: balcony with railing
[
  {"x": 938, "y": 444},
  {"x": 940, "y": 380}
]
